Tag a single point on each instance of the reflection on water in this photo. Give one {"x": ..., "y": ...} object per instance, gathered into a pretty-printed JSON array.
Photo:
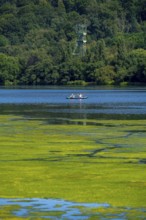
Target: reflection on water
[
  {"x": 52, "y": 103},
  {"x": 65, "y": 113},
  {"x": 57, "y": 209}
]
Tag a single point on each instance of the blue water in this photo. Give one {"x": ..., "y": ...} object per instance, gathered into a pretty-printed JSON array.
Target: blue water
[
  {"x": 69, "y": 209},
  {"x": 52, "y": 102},
  {"x": 66, "y": 210},
  {"x": 58, "y": 96}
]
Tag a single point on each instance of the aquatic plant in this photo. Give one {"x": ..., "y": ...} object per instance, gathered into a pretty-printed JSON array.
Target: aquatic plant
[{"x": 98, "y": 161}]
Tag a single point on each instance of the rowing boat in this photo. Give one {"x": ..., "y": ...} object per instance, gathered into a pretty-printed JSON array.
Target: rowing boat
[{"x": 77, "y": 97}]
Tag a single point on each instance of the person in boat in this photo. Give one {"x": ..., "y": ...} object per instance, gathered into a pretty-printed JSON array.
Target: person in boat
[
  {"x": 72, "y": 96},
  {"x": 80, "y": 95}
]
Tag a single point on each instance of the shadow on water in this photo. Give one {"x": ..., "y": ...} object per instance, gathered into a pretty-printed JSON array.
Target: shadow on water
[
  {"x": 60, "y": 209},
  {"x": 66, "y": 113}
]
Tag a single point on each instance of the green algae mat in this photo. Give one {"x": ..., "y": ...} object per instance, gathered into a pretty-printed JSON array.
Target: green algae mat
[{"x": 93, "y": 161}]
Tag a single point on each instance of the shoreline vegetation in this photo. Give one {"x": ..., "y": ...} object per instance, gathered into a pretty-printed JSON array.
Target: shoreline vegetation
[
  {"x": 123, "y": 85},
  {"x": 74, "y": 162},
  {"x": 38, "y": 39}
]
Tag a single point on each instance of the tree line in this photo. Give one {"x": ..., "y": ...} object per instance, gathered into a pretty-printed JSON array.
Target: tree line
[{"x": 37, "y": 39}]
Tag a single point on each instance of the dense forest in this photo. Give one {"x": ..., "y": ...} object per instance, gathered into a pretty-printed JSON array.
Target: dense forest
[{"x": 38, "y": 39}]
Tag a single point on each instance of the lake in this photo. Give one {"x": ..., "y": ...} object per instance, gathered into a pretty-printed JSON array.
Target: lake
[
  {"x": 52, "y": 103},
  {"x": 119, "y": 146}
]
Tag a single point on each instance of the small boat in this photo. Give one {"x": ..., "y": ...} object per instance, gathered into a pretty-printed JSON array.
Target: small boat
[{"x": 78, "y": 96}]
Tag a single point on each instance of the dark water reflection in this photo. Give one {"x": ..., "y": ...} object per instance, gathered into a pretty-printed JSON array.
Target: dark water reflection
[{"x": 52, "y": 103}]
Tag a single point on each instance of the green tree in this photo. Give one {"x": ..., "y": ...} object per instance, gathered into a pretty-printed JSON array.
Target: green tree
[
  {"x": 41, "y": 73},
  {"x": 3, "y": 41},
  {"x": 137, "y": 67},
  {"x": 9, "y": 70},
  {"x": 105, "y": 75},
  {"x": 42, "y": 34},
  {"x": 121, "y": 50}
]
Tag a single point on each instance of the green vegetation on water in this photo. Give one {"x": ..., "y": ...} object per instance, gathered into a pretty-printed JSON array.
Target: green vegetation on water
[{"x": 104, "y": 162}]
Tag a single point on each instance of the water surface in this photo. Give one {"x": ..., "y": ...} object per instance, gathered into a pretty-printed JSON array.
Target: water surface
[
  {"x": 57, "y": 209},
  {"x": 52, "y": 103}
]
